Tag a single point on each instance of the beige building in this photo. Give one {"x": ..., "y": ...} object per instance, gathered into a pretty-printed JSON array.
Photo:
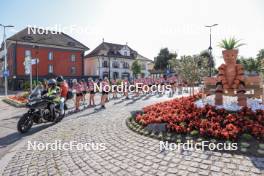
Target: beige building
[{"x": 114, "y": 61}]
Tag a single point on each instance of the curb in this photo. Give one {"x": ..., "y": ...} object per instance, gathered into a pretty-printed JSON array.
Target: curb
[
  {"x": 243, "y": 146},
  {"x": 13, "y": 103}
]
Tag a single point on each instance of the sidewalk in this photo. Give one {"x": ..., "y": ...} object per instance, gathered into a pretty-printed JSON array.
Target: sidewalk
[{"x": 9, "y": 116}]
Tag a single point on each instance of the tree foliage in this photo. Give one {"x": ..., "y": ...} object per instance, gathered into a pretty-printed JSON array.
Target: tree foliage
[
  {"x": 191, "y": 68},
  {"x": 260, "y": 54},
  {"x": 162, "y": 60},
  {"x": 136, "y": 68},
  {"x": 205, "y": 56},
  {"x": 252, "y": 66}
]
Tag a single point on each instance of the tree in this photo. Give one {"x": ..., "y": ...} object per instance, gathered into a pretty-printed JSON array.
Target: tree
[
  {"x": 174, "y": 64},
  {"x": 205, "y": 55},
  {"x": 251, "y": 65},
  {"x": 136, "y": 68},
  {"x": 190, "y": 69},
  {"x": 260, "y": 54},
  {"x": 163, "y": 58},
  {"x": 260, "y": 58}
]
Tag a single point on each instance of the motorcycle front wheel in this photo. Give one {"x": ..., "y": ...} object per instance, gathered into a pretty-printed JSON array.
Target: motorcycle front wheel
[
  {"x": 59, "y": 116},
  {"x": 24, "y": 123}
]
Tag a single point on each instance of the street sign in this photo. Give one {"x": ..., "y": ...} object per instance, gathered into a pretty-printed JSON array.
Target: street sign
[
  {"x": 6, "y": 73},
  {"x": 27, "y": 64},
  {"x": 34, "y": 61},
  {"x": 167, "y": 71}
]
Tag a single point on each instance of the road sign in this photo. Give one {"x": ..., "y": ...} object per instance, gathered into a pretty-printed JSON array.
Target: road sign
[
  {"x": 167, "y": 71},
  {"x": 34, "y": 61},
  {"x": 6, "y": 73},
  {"x": 27, "y": 64}
]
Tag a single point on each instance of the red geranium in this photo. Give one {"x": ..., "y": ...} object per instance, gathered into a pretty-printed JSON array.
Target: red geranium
[{"x": 183, "y": 116}]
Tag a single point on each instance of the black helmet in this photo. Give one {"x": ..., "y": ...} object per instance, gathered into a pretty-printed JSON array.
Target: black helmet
[
  {"x": 60, "y": 79},
  {"x": 52, "y": 82}
]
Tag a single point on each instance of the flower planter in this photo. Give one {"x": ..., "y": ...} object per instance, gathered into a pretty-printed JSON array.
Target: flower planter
[
  {"x": 184, "y": 119},
  {"x": 17, "y": 101}
]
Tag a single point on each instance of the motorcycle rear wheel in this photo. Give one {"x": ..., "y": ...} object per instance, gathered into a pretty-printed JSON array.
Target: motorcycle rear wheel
[{"x": 24, "y": 123}]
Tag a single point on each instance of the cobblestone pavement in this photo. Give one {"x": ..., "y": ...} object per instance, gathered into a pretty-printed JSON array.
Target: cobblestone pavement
[
  {"x": 9, "y": 116},
  {"x": 127, "y": 153},
  {"x": 8, "y": 131}
]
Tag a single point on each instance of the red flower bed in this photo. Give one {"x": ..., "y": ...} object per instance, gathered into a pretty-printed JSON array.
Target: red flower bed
[
  {"x": 19, "y": 99},
  {"x": 182, "y": 116}
]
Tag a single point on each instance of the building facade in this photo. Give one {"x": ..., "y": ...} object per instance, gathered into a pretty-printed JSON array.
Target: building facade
[
  {"x": 57, "y": 54},
  {"x": 113, "y": 61}
]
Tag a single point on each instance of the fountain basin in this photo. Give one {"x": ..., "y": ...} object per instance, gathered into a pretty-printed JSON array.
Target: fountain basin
[{"x": 230, "y": 103}]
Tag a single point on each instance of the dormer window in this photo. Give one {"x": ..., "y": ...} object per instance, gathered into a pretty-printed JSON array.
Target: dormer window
[
  {"x": 27, "y": 38},
  {"x": 71, "y": 44}
]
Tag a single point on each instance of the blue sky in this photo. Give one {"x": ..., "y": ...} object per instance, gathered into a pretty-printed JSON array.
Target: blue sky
[{"x": 147, "y": 25}]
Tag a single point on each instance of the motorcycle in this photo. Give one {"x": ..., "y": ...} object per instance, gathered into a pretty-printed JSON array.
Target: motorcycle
[{"x": 42, "y": 109}]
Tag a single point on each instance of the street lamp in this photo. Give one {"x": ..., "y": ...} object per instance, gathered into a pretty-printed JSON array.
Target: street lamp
[
  {"x": 5, "y": 61},
  {"x": 210, "y": 48}
]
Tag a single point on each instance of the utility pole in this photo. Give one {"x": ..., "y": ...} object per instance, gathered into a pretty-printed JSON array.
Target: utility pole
[
  {"x": 5, "y": 73},
  {"x": 36, "y": 61},
  {"x": 30, "y": 75}
]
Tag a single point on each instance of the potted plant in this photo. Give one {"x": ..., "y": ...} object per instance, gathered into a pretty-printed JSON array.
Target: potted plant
[
  {"x": 230, "y": 53},
  {"x": 230, "y": 47}
]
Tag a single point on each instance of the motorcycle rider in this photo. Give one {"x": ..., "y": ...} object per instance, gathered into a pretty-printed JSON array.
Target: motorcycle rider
[
  {"x": 64, "y": 89},
  {"x": 54, "y": 94}
]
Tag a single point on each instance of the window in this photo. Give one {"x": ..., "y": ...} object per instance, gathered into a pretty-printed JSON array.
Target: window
[
  {"x": 115, "y": 75},
  {"x": 73, "y": 58},
  {"x": 125, "y": 65},
  {"x": 27, "y": 53},
  {"x": 50, "y": 56},
  {"x": 125, "y": 53},
  {"x": 105, "y": 64},
  {"x": 143, "y": 66},
  {"x": 73, "y": 70},
  {"x": 105, "y": 74},
  {"x": 115, "y": 64},
  {"x": 125, "y": 75},
  {"x": 50, "y": 69}
]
